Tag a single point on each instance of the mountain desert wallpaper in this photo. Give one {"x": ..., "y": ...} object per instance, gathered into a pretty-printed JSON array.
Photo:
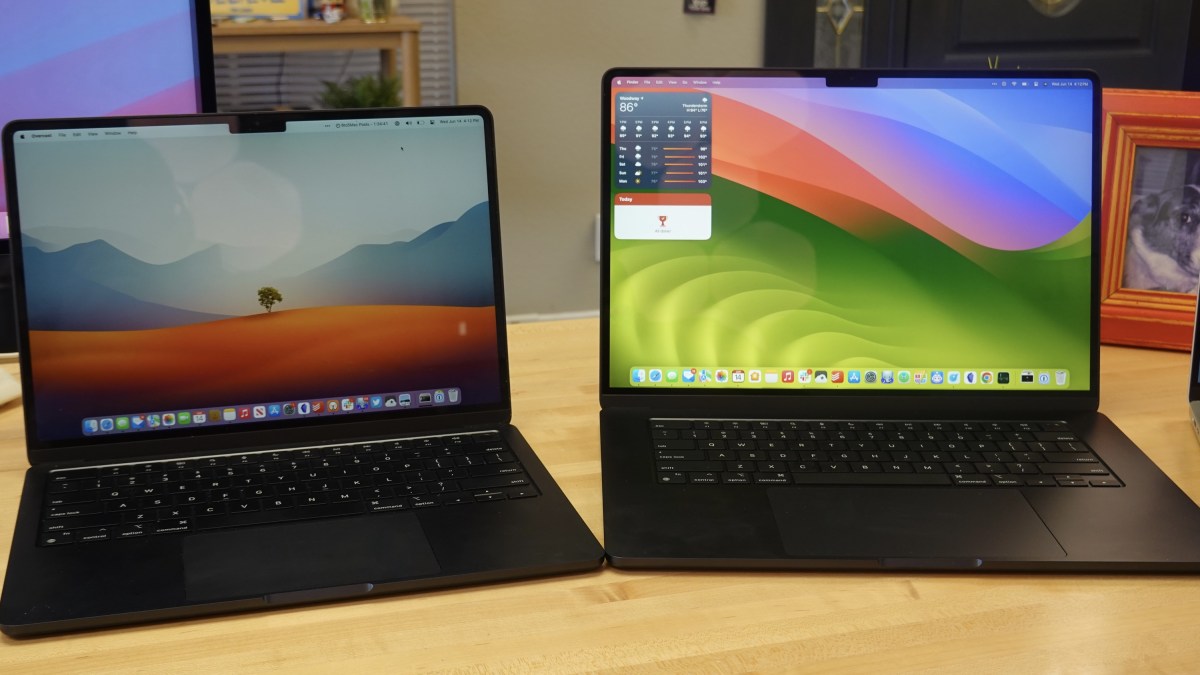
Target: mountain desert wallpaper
[{"x": 145, "y": 295}]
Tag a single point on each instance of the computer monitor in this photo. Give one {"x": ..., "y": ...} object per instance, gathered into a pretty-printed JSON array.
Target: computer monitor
[{"x": 84, "y": 58}]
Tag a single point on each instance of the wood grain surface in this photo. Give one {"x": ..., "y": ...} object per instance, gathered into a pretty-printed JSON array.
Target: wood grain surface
[{"x": 685, "y": 621}]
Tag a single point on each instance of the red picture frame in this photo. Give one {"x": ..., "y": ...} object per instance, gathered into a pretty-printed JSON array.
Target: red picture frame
[{"x": 1145, "y": 132}]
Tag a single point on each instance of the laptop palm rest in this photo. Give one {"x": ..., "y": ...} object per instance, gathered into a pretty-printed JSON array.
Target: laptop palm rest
[
  {"x": 911, "y": 527},
  {"x": 319, "y": 554}
]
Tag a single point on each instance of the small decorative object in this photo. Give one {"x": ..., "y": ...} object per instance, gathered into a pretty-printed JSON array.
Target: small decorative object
[
  {"x": 374, "y": 11},
  {"x": 365, "y": 91},
  {"x": 1150, "y": 220},
  {"x": 700, "y": 6},
  {"x": 331, "y": 11}
]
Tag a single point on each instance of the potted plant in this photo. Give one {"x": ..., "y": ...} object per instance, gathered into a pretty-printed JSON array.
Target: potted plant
[{"x": 364, "y": 91}]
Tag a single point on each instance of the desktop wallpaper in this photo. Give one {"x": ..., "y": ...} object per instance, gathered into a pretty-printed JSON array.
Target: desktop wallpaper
[
  {"x": 143, "y": 259},
  {"x": 85, "y": 58},
  {"x": 882, "y": 228}
]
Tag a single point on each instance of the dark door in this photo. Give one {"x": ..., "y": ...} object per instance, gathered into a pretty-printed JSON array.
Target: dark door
[{"x": 1130, "y": 43}]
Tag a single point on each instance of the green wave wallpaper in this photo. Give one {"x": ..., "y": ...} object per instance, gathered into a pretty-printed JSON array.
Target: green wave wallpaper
[
  {"x": 757, "y": 295},
  {"x": 771, "y": 233}
]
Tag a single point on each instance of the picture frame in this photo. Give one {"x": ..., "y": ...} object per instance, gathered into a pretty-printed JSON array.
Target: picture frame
[
  {"x": 258, "y": 9},
  {"x": 1150, "y": 218}
]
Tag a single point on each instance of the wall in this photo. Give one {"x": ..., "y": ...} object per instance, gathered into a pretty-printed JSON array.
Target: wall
[{"x": 537, "y": 65}]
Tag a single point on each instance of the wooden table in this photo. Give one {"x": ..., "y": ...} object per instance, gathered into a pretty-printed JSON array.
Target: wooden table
[
  {"x": 684, "y": 621},
  {"x": 311, "y": 35}
]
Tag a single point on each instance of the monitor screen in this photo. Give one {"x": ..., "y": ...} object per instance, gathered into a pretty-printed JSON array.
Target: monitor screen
[{"x": 82, "y": 58}]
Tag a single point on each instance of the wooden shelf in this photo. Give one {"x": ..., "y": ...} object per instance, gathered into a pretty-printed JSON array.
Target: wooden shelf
[{"x": 398, "y": 33}]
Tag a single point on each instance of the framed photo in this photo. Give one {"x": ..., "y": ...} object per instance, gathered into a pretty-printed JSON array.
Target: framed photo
[
  {"x": 1150, "y": 218},
  {"x": 259, "y": 9}
]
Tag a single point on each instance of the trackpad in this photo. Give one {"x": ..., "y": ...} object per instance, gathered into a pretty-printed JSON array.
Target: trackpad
[
  {"x": 940, "y": 526},
  {"x": 315, "y": 554}
]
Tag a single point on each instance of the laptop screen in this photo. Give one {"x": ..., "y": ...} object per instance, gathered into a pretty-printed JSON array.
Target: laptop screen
[
  {"x": 769, "y": 231},
  {"x": 181, "y": 277}
]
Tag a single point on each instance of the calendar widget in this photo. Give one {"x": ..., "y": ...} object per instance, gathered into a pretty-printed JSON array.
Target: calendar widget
[
  {"x": 663, "y": 140},
  {"x": 662, "y": 216}
]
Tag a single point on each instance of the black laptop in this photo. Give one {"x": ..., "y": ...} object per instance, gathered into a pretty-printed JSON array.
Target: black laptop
[
  {"x": 264, "y": 363},
  {"x": 849, "y": 320}
]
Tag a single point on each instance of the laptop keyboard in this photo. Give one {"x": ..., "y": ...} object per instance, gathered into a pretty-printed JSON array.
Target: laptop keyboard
[
  {"x": 789, "y": 452},
  {"x": 186, "y": 495}
]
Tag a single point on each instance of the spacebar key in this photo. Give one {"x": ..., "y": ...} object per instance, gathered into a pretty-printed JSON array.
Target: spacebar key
[
  {"x": 870, "y": 479},
  {"x": 278, "y": 515}
]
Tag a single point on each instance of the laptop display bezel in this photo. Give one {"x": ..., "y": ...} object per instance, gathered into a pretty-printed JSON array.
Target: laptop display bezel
[
  {"x": 827, "y": 402},
  {"x": 269, "y": 433}
]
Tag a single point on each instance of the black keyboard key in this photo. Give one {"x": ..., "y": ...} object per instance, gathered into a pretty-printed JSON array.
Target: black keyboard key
[
  {"x": 129, "y": 531},
  {"x": 93, "y": 534},
  {"x": 71, "y": 510},
  {"x": 388, "y": 504},
  {"x": 171, "y": 526},
  {"x": 76, "y": 497},
  {"x": 690, "y": 466},
  {"x": 56, "y": 538},
  {"x": 487, "y": 482},
  {"x": 1021, "y": 468},
  {"x": 216, "y": 509},
  {"x": 1064, "y": 436},
  {"x": 173, "y": 512},
  {"x": 78, "y": 522},
  {"x": 1084, "y": 457},
  {"x": 59, "y": 484},
  {"x": 1083, "y": 468}
]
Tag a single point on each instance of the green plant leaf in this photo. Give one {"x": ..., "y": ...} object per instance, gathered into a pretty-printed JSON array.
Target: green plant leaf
[{"x": 365, "y": 91}]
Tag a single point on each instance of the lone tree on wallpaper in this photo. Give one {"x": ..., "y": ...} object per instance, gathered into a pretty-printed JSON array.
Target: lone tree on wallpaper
[{"x": 268, "y": 296}]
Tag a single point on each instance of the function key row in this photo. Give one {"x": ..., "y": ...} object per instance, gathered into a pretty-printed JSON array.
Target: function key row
[
  {"x": 857, "y": 425},
  {"x": 408, "y": 449}
]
